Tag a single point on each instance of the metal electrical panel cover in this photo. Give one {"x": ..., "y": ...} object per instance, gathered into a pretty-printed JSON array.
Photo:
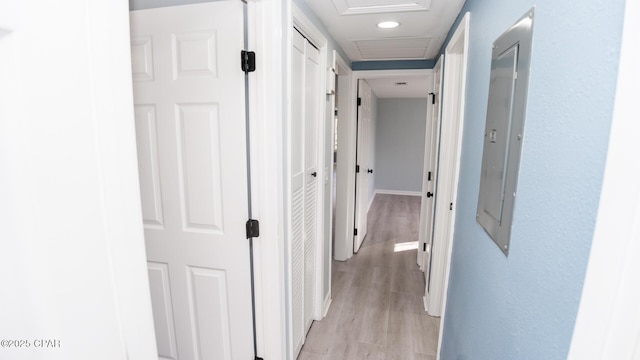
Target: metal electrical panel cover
[{"x": 504, "y": 130}]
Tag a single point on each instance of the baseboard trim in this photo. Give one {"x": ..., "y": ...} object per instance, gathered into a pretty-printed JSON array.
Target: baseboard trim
[
  {"x": 398, "y": 192},
  {"x": 327, "y": 305},
  {"x": 371, "y": 201}
]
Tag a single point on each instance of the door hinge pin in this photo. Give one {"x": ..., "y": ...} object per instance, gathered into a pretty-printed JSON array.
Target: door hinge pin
[
  {"x": 357, "y": 168},
  {"x": 253, "y": 228},
  {"x": 424, "y": 246},
  {"x": 355, "y": 232},
  {"x": 248, "y": 61},
  {"x": 359, "y": 101}
]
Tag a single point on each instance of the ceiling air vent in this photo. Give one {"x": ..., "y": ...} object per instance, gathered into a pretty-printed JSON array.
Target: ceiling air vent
[{"x": 401, "y": 83}]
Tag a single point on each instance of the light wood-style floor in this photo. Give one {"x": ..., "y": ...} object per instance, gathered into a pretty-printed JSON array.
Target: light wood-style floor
[{"x": 377, "y": 310}]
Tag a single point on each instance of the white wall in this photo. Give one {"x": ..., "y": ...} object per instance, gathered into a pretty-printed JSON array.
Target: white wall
[
  {"x": 72, "y": 262},
  {"x": 399, "y": 144}
]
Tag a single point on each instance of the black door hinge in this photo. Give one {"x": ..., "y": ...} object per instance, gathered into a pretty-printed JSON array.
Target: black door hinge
[
  {"x": 335, "y": 112},
  {"x": 424, "y": 246},
  {"x": 248, "y": 61},
  {"x": 450, "y": 206},
  {"x": 359, "y": 101},
  {"x": 258, "y": 358},
  {"x": 433, "y": 98},
  {"x": 253, "y": 228},
  {"x": 355, "y": 232},
  {"x": 429, "y": 176},
  {"x": 357, "y": 169}
]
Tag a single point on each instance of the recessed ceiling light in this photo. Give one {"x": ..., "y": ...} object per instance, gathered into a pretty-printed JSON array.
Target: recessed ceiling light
[{"x": 388, "y": 24}]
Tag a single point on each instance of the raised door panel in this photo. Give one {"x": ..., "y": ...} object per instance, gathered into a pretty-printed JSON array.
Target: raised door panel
[
  {"x": 148, "y": 166},
  {"x": 162, "y": 310},
  {"x": 198, "y": 138}
]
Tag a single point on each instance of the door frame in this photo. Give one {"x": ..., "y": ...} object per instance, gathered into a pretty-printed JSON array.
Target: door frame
[
  {"x": 343, "y": 71},
  {"x": 267, "y": 116},
  {"x": 453, "y": 114},
  {"x": 608, "y": 323},
  {"x": 343, "y": 249},
  {"x": 345, "y": 200}
]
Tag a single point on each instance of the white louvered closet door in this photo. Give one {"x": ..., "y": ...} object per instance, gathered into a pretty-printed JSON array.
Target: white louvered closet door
[
  {"x": 312, "y": 111},
  {"x": 297, "y": 189},
  {"x": 304, "y": 178}
]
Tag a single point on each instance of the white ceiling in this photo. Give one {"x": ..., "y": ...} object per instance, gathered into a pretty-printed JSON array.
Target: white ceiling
[
  {"x": 415, "y": 87},
  {"x": 353, "y": 24}
]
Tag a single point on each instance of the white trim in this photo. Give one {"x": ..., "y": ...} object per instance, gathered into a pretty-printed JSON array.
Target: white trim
[
  {"x": 343, "y": 249},
  {"x": 347, "y": 141},
  {"x": 398, "y": 192},
  {"x": 266, "y": 22},
  {"x": 339, "y": 68},
  {"x": 327, "y": 305},
  {"x": 455, "y": 60},
  {"x": 608, "y": 321}
]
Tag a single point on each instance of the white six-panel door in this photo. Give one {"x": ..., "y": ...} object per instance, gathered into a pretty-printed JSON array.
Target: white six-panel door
[
  {"x": 362, "y": 178},
  {"x": 305, "y": 115},
  {"x": 190, "y": 125}
]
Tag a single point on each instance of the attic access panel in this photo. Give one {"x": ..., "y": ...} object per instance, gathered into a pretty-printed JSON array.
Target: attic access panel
[{"x": 504, "y": 130}]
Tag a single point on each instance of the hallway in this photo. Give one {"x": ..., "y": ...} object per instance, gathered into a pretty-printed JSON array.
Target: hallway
[{"x": 377, "y": 310}]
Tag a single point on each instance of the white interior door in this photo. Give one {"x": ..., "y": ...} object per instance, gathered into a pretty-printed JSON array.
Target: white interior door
[
  {"x": 362, "y": 161},
  {"x": 453, "y": 99},
  {"x": 430, "y": 175},
  {"x": 311, "y": 120},
  {"x": 297, "y": 137},
  {"x": 190, "y": 124},
  {"x": 305, "y": 115}
]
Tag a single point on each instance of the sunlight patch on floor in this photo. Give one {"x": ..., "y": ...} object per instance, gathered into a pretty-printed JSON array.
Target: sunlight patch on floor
[{"x": 405, "y": 246}]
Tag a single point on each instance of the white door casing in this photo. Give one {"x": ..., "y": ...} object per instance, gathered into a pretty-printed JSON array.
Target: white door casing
[
  {"x": 453, "y": 105},
  {"x": 362, "y": 163},
  {"x": 190, "y": 122},
  {"x": 430, "y": 175},
  {"x": 72, "y": 259}
]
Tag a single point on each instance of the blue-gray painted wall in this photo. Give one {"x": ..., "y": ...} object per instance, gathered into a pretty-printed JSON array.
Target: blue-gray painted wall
[
  {"x": 524, "y": 306},
  {"x": 393, "y": 65},
  {"x": 399, "y": 144}
]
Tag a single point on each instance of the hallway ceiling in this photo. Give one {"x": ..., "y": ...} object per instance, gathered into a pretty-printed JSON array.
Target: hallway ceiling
[
  {"x": 353, "y": 24},
  {"x": 400, "y": 87}
]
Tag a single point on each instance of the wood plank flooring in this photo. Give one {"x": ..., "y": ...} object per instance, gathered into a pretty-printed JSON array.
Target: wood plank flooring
[{"x": 377, "y": 310}]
